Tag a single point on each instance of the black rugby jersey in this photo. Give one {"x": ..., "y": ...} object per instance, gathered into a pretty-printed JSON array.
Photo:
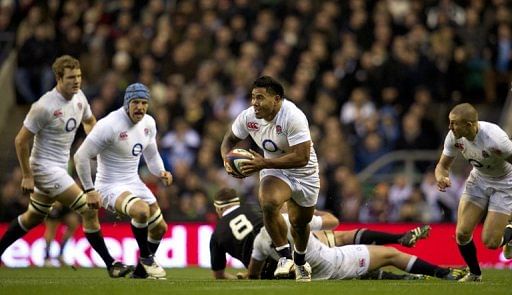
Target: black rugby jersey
[{"x": 234, "y": 234}]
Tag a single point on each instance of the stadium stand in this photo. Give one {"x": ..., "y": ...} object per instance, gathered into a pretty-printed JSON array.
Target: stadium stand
[{"x": 374, "y": 77}]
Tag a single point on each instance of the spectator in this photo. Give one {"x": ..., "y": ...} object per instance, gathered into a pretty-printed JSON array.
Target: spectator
[
  {"x": 34, "y": 75},
  {"x": 201, "y": 56}
]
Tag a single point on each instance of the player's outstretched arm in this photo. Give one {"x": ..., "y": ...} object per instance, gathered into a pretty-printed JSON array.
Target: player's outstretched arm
[
  {"x": 442, "y": 172},
  {"x": 22, "y": 145}
]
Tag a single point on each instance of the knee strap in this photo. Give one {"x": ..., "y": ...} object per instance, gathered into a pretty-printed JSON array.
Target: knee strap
[
  {"x": 79, "y": 204},
  {"x": 331, "y": 240},
  {"x": 128, "y": 203},
  {"x": 155, "y": 219},
  {"x": 39, "y": 207}
]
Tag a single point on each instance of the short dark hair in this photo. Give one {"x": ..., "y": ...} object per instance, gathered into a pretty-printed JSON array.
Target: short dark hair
[
  {"x": 63, "y": 62},
  {"x": 225, "y": 194},
  {"x": 271, "y": 85}
]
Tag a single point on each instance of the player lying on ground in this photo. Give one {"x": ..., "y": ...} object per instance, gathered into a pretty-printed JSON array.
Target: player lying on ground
[
  {"x": 347, "y": 262},
  {"x": 239, "y": 224}
]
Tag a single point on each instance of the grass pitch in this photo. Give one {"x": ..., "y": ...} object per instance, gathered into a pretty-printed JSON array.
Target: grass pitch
[{"x": 189, "y": 281}]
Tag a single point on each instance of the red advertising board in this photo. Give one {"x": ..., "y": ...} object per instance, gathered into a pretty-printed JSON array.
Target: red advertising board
[
  {"x": 440, "y": 247},
  {"x": 188, "y": 245}
]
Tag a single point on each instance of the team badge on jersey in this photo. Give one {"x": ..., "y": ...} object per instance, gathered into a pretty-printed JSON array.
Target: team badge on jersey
[
  {"x": 70, "y": 124},
  {"x": 146, "y": 131},
  {"x": 253, "y": 126},
  {"x": 123, "y": 135},
  {"x": 485, "y": 154},
  {"x": 137, "y": 149},
  {"x": 80, "y": 106},
  {"x": 279, "y": 129}
]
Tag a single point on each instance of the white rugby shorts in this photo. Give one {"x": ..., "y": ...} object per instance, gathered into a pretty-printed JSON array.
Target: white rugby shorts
[
  {"x": 352, "y": 261},
  {"x": 491, "y": 194},
  {"x": 305, "y": 189},
  {"x": 51, "y": 180},
  {"x": 109, "y": 193}
]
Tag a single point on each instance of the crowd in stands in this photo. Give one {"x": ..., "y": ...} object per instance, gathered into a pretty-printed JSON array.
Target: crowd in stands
[{"x": 372, "y": 77}]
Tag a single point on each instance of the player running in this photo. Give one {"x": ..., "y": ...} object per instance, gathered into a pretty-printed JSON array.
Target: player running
[
  {"x": 347, "y": 262},
  {"x": 52, "y": 123},
  {"x": 488, "y": 191},
  {"x": 119, "y": 140}
]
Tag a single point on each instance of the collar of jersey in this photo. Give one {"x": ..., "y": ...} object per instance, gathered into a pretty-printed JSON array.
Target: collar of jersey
[
  {"x": 127, "y": 117},
  {"x": 60, "y": 96}
]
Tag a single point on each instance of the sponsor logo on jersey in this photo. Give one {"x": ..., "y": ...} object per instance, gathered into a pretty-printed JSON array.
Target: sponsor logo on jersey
[
  {"x": 58, "y": 113},
  {"x": 279, "y": 129},
  {"x": 269, "y": 146},
  {"x": 70, "y": 124},
  {"x": 459, "y": 146},
  {"x": 253, "y": 126},
  {"x": 123, "y": 135},
  {"x": 485, "y": 154},
  {"x": 137, "y": 149}
]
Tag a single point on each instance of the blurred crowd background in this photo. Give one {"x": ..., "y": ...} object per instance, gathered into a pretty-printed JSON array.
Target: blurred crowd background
[{"x": 373, "y": 77}]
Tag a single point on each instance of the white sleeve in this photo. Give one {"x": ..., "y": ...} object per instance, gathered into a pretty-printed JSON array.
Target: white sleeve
[
  {"x": 93, "y": 144},
  {"x": 298, "y": 129},
  {"x": 153, "y": 159},
  {"x": 83, "y": 156},
  {"x": 449, "y": 145},
  {"x": 503, "y": 148},
  {"x": 87, "y": 108},
  {"x": 316, "y": 223},
  {"x": 151, "y": 155},
  {"x": 239, "y": 126},
  {"x": 37, "y": 118},
  {"x": 261, "y": 248}
]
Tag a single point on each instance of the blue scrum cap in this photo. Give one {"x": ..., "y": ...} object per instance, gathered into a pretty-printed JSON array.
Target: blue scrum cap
[{"x": 135, "y": 90}]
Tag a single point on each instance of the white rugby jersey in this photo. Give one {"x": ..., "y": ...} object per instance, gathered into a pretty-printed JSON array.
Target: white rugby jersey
[
  {"x": 54, "y": 121},
  {"x": 487, "y": 152},
  {"x": 119, "y": 145},
  {"x": 288, "y": 128},
  {"x": 318, "y": 255}
]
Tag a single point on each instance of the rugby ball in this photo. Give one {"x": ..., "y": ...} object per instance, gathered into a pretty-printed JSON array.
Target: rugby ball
[{"x": 236, "y": 157}]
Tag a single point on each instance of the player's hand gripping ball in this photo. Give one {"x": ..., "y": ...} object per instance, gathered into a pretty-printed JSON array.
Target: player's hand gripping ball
[{"x": 234, "y": 159}]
